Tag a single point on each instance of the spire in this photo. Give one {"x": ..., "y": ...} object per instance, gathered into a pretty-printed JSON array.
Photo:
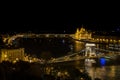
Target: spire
[
  {"x": 77, "y": 30},
  {"x": 82, "y": 28}
]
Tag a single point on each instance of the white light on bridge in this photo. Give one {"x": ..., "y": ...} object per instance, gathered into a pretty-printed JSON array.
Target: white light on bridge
[
  {"x": 90, "y": 50},
  {"x": 47, "y": 35},
  {"x": 56, "y": 35},
  {"x": 89, "y": 44}
]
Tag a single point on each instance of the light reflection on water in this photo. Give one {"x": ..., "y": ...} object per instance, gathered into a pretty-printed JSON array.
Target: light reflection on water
[
  {"x": 103, "y": 72},
  {"x": 78, "y": 46}
]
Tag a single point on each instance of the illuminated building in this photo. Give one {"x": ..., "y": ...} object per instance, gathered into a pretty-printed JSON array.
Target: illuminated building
[
  {"x": 82, "y": 34},
  {"x": 106, "y": 39},
  {"x": 12, "y": 54}
]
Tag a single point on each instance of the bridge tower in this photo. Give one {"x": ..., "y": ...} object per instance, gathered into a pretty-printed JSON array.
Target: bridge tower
[{"x": 90, "y": 50}]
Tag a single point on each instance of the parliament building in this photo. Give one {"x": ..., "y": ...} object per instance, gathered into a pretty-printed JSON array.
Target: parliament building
[{"x": 82, "y": 34}]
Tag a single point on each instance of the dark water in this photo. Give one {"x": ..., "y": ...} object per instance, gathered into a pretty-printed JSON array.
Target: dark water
[
  {"x": 56, "y": 47},
  {"x": 49, "y": 47}
]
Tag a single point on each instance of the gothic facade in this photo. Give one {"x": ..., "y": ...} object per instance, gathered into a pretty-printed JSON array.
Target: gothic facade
[{"x": 82, "y": 34}]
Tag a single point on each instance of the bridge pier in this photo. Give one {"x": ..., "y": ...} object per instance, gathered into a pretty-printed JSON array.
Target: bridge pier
[{"x": 90, "y": 50}]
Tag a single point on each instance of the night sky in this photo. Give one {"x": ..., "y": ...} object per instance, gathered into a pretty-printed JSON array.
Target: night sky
[{"x": 59, "y": 18}]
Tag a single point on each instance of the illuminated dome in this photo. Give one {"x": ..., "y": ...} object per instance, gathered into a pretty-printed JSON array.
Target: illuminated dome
[{"x": 82, "y": 34}]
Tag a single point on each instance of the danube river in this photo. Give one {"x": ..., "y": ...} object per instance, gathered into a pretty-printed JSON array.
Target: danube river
[{"x": 104, "y": 68}]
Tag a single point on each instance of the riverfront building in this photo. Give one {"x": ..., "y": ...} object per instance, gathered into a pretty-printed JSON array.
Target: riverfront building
[
  {"x": 82, "y": 34},
  {"x": 12, "y": 54}
]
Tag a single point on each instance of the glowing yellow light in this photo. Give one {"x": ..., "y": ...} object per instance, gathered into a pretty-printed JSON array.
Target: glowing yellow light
[
  {"x": 66, "y": 73},
  {"x": 5, "y": 55},
  {"x": 14, "y": 61},
  {"x": 106, "y": 40},
  {"x": 114, "y": 40},
  {"x": 111, "y": 40},
  {"x": 17, "y": 59}
]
